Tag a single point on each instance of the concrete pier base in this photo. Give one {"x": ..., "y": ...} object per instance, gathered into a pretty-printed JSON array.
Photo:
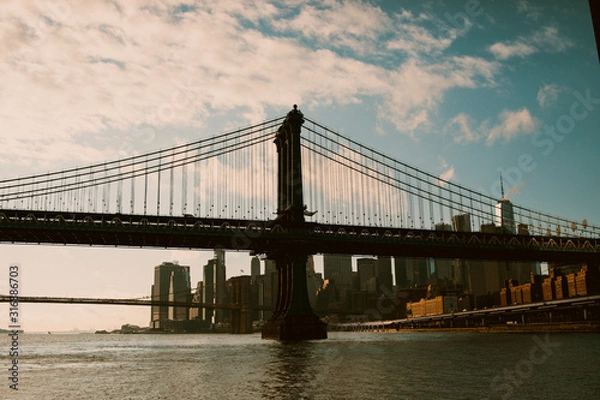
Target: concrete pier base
[{"x": 295, "y": 327}]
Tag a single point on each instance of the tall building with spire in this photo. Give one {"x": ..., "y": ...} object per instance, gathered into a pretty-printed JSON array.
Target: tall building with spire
[{"x": 505, "y": 216}]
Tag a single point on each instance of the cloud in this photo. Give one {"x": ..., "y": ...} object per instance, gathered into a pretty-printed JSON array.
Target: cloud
[
  {"x": 548, "y": 95},
  {"x": 513, "y": 190},
  {"x": 547, "y": 39},
  {"x": 531, "y": 12},
  {"x": 99, "y": 68},
  {"x": 419, "y": 88},
  {"x": 340, "y": 24},
  {"x": 460, "y": 126},
  {"x": 415, "y": 40},
  {"x": 448, "y": 174},
  {"x": 550, "y": 40},
  {"x": 366, "y": 30},
  {"x": 512, "y": 124},
  {"x": 81, "y": 79},
  {"x": 504, "y": 51}
]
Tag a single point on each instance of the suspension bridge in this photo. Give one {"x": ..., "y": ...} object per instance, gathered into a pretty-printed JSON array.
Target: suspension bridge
[{"x": 314, "y": 191}]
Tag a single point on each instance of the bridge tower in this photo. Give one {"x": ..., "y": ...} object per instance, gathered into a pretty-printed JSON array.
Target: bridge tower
[{"x": 293, "y": 317}]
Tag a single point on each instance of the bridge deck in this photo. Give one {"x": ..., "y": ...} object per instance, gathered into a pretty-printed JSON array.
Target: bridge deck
[{"x": 42, "y": 227}]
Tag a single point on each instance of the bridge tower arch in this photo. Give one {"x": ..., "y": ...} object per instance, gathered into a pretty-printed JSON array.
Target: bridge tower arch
[{"x": 293, "y": 317}]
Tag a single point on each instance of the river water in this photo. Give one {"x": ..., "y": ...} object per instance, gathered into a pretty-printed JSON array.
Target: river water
[{"x": 348, "y": 365}]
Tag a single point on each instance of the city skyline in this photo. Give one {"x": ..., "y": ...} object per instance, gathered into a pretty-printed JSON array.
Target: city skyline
[{"x": 465, "y": 91}]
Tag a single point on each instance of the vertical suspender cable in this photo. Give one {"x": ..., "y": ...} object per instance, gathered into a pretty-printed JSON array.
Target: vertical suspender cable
[
  {"x": 184, "y": 184},
  {"x": 95, "y": 196},
  {"x": 132, "y": 196},
  {"x": 119, "y": 189},
  {"x": 352, "y": 195},
  {"x": 46, "y": 193},
  {"x": 389, "y": 195},
  {"x": 252, "y": 161},
  {"x": 197, "y": 186},
  {"x": 158, "y": 185},
  {"x": 322, "y": 184},
  {"x": 263, "y": 180},
  {"x": 378, "y": 186},
  {"x": 146, "y": 187},
  {"x": 171, "y": 180},
  {"x": 421, "y": 211},
  {"x": 106, "y": 199},
  {"x": 441, "y": 198},
  {"x": 430, "y": 202}
]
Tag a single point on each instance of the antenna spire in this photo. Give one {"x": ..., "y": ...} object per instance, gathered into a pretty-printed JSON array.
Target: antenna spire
[{"x": 501, "y": 186}]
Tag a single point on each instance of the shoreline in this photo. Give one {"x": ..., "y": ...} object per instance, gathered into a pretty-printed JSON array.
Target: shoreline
[{"x": 575, "y": 327}]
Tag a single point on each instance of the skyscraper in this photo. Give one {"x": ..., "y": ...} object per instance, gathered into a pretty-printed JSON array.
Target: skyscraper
[
  {"x": 367, "y": 273},
  {"x": 443, "y": 267},
  {"x": 215, "y": 287},
  {"x": 461, "y": 223},
  {"x": 411, "y": 271},
  {"x": 208, "y": 294},
  {"x": 400, "y": 271},
  {"x": 197, "y": 298},
  {"x": 385, "y": 282},
  {"x": 337, "y": 270},
  {"x": 505, "y": 216},
  {"x": 314, "y": 281},
  {"x": 421, "y": 270},
  {"x": 171, "y": 283},
  {"x": 254, "y": 268}
]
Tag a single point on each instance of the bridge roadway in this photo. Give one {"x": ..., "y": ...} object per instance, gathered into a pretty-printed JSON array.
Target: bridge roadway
[
  {"x": 123, "y": 302},
  {"x": 120, "y": 230}
]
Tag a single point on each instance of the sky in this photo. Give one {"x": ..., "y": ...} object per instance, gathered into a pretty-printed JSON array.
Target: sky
[{"x": 463, "y": 89}]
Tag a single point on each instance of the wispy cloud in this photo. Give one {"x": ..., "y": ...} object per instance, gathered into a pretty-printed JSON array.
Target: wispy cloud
[
  {"x": 548, "y": 95},
  {"x": 418, "y": 89},
  {"x": 512, "y": 124},
  {"x": 509, "y": 125},
  {"x": 448, "y": 174},
  {"x": 339, "y": 24},
  {"x": 502, "y": 51},
  {"x": 513, "y": 190},
  {"x": 548, "y": 39},
  {"x": 88, "y": 68},
  {"x": 461, "y": 129},
  {"x": 448, "y": 171},
  {"x": 531, "y": 12}
]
